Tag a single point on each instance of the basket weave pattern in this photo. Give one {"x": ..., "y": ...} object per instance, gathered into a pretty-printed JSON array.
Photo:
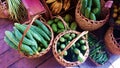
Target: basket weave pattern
[
  {"x": 87, "y": 24},
  {"x": 111, "y": 42}
]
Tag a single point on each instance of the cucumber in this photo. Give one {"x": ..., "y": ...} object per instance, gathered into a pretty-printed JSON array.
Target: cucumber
[
  {"x": 60, "y": 30},
  {"x": 24, "y": 48},
  {"x": 26, "y": 41},
  {"x": 92, "y": 16},
  {"x": 60, "y": 25},
  {"x": 22, "y": 29},
  {"x": 89, "y": 3},
  {"x": 83, "y": 47},
  {"x": 43, "y": 27},
  {"x": 73, "y": 35},
  {"x": 84, "y": 5},
  {"x": 82, "y": 41},
  {"x": 10, "y": 43},
  {"x": 73, "y": 26},
  {"x": 41, "y": 32},
  {"x": 87, "y": 12},
  {"x": 54, "y": 27}
]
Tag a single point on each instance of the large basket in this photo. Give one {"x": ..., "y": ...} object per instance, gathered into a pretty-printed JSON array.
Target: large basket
[
  {"x": 87, "y": 24},
  {"x": 28, "y": 27},
  {"x": 111, "y": 42},
  {"x": 3, "y": 9},
  {"x": 61, "y": 60}
]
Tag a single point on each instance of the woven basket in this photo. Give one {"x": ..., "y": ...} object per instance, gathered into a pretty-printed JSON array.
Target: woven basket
[
  {"x": 111, "y": 42},
  {"x": 87, "y": 24},
  {"x": 28, "y": 27},
  {"x": 61, "y": 60},
  {"x": 3, "y": 9}
]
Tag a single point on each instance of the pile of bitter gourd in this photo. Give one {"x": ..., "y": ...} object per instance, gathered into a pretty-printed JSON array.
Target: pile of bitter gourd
[{"x": 36, "y": 40}]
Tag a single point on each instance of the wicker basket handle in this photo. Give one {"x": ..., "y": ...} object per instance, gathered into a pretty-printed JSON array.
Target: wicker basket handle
[
  {"x": 73, "y": 41},
  {"x": 30, "y": 22}
]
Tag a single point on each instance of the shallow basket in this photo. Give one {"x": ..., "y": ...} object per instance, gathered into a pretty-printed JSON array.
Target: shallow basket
[
  {"x": 50, "y": 43},
  {"x": 87, "y": 24},
  {"x": 61, "y": 60},
  {"x": 3, "y": 9},
  {"x": 111, "y": 42}
]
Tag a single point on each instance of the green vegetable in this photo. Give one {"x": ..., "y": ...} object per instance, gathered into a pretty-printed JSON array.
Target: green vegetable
[
  {"x": 73, "y": 35},
  {"x": 24, "y": 48},
  {"x": 84, "y": 5},
  {"x": 76, "y": 51},
  {"x": 87, "y": 12},
  {"x": 41, "y": 32},
  {"x": 65, "y": 53},
  {"x": 22, "y": 29},
  {"x": 82, "y": 42},
  {"x": 60, "y": 30},
  {"x": 43, "y": 27},
  {"x": 67, "y": 35},
  {"x": 73, "y": 26},
  {"x": 89, "y": 3},
  {"x": 11, "y": 44},
  {"x": 83, "y": 47},
  {"x": 50, "y": 22},
  {"x": 62, "y": 46},
  {"x": 68, "y": 17},
  {"x": 54, "y": 27},
  {"x": 92, "y": 16},
  {"x": 80, "y": 57},
  {"x": 60, "y": 25},
  {"x": 17, "y": 10},
  {"x": 26, "y": 41},
  {"x": 56, "y": 20},
  {"x": 62, "y": 39}
]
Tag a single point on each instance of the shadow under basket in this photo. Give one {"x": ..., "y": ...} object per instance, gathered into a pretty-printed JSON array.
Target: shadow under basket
[
  {"x": 111, "y": 42},
  {"x": 60, "y": 59},
  {"x": 91, "y": 25}
]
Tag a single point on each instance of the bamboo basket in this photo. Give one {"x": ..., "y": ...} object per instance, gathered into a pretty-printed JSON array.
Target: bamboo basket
[
  {"x": 111, "y": 42},
  {"x": 87, "y": 24},
  {"x": 61, "y": 60},
  {"x": 28, "y": 27},
  {"x": 3, "y": 9}
]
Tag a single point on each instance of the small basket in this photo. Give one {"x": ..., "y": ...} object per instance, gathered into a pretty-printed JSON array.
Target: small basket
[
  {"x": 87, "y": 24},
  {"x": 57, "y": 56},
  {"x": 28, "y": 27},
  {"x": 111, "y": 42},
  {"x": 3, "y": 9}
]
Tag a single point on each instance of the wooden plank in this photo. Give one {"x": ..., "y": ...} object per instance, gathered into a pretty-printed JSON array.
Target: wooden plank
[
  {"x": 9, "y": 58},
  {"x": 30, "y": 63},
  {"x": 51, "y": 63}
]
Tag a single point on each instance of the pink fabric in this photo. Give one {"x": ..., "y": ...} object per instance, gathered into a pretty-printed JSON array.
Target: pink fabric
[{"x": 33, "y": 6}]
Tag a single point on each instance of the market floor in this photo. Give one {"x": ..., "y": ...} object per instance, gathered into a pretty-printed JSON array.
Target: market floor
[{"x": 10, "y": 58}]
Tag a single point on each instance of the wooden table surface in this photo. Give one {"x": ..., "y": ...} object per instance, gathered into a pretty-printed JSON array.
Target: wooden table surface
[{"x": 9, "y": 58}]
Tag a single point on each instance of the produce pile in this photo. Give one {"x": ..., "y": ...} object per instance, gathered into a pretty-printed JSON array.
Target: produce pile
[
  {"x": 36, "y": 40},
  {"x": 76, "y": 51},
  {"x": 91, "y": 9},
  {"x": 98, "y": 54},
  {"x": 58, "y": 26}
]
